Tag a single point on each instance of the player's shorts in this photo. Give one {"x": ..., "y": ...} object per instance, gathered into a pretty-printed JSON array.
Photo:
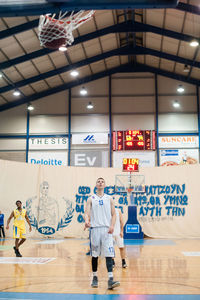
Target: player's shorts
[
  {"x": 101, "y": 242},
  {"x": 119, "y": 241},
  {"x": 19, "y": 233}
]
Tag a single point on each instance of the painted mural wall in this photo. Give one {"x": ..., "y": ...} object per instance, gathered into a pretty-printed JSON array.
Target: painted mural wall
[{"x": 55, "y": 198}]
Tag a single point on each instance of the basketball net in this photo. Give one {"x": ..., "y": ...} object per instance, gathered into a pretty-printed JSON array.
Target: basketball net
[{"x": 51, "y": 29}]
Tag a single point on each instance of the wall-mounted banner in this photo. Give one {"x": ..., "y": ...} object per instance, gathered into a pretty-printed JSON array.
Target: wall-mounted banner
[
  {"x": 173, "y": 157},
  {"x": 49, "y": 158},
  {"x": 89, "y": 158},
  {"x": 48, "y": 143},
  {"x": 55, "y": 198},
  {"x": 146, "y": 158},
  {"x": 179, "y": 141},
  {"x": 89, "y": 138}
]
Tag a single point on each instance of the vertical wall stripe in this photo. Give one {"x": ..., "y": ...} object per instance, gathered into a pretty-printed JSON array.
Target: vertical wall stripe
[
  {"x": 156, "y": 104},
  {"x": 110, "y": 118},
  {"x": 69, "y": 126},
  {"x": 27, "y": 133},
  {"x": 198, "y": 112}
]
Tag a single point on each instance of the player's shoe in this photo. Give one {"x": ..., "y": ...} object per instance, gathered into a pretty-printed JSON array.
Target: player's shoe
[
  {"x": 112, "y": 284},
  {"x": 94, "y": 283},
  {"x": 17, "y": 253},
  {"x": 124, "y": 265}
]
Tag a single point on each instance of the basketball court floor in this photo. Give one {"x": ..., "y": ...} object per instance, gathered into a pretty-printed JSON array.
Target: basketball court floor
[{"x": 60, "y": 269}]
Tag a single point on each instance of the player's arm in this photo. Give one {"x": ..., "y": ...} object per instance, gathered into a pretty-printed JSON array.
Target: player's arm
[
  {"x": 27, "y": 220},
  {"x": 113, "y": 217},
  {"x": 9, "y": 219},
  {"x": 121, "y": 224},
  {"x": 87, "y": 213}
]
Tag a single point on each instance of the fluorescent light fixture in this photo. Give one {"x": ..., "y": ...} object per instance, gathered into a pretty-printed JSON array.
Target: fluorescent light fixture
[
  {"x": 180, "y": 89},
  {"x": 1, "y": 75},
  {"x": 176, "y": 104},
  {"x": 62, "y": 48},
  {"x": 83, "y": 91},
  {"x": 186, "y": 69},
  {"x": 16, "y": 93},
  {"x": 30, "y": 107},
  {"x": 194, "y": 43},
  {"x": 74, "y": 73},
  {"x": 90, "y": 105}
]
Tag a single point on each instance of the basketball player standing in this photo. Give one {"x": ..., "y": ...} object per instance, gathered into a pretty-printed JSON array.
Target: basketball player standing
[
  {"x": 19, "y": 229},
  {"x": 100, "y": 217}
]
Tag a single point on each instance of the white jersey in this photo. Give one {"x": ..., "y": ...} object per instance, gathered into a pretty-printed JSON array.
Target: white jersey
[
  {"x": 101, "y": 211},
  {"x": 117, "y": 228}
]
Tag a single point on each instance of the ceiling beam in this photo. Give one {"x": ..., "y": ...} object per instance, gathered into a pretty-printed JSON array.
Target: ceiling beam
[
  {"x": 64, "y": 87},
  {"x": 11, "y": 9},
  {"x": 18, "y": 29},
  {"x": 84, "y": 38},
  {"x": 122, "y": 27},
  {"x": 61, "y": 70},
  {"x": 127, "y": 26},
  {"x": 127, "y": 68},
  {"x": 193, "y": 9},
  {"x": 138, "y": 50}
]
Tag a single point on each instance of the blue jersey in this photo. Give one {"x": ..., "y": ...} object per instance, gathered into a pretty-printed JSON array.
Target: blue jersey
[{"x": 1, "y": 219}]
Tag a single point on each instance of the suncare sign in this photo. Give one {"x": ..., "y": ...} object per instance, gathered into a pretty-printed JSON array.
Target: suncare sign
[{"x": 186, "y": 141}]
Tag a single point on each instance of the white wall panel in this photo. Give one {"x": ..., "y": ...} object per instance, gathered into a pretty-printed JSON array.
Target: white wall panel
[
  {"x": 48, "y": 124},
  {"x": 97, "y": 87},
  {"x": 137, "y": 122},
  {"x": 79, "y": 105},
  {"x": 133, "y": 86},
  {"x": 13, "y": 120},
  {"x": 12, "y": 144},
  {"x": 133, "y": 75},
  {"x": 146, "y": 158},
  {"x": 53, "y": 104},
  {"x": 14, "y": 156},
  {"x": 168, "y": 85},
  {"x": 133, "y": 104},
  {"x": 93, "y": 123},
  {"x": 178, "y": 123},
  {"x": 187, "y": 104}
]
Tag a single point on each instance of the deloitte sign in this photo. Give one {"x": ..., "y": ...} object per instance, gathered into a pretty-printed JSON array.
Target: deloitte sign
[
  {"x": 50, "y": 158},
  {"x": 50, "y": 162}
]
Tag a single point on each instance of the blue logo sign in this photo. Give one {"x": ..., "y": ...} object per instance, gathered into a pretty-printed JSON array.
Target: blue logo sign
[
  {"x": 173, "y": 152},
  {"x": 89, "y": 139},
  {"x": 46, "y": 230},
  {"x": 132, "y": 228}
]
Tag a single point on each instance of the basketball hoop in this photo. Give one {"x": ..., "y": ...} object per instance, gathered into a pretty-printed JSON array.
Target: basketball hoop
[
  {"x": 129, "y": 190},
  {"x": 54, "y": 33}
]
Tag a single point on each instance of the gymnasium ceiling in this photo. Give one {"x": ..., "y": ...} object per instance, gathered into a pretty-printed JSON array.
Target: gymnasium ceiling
[{"x": 141, "y": 38}]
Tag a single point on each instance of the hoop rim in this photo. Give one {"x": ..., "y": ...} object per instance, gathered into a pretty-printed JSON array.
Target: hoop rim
[
  {"x": 124, "y": 190},
  {"x": 54, "y": 20}
]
